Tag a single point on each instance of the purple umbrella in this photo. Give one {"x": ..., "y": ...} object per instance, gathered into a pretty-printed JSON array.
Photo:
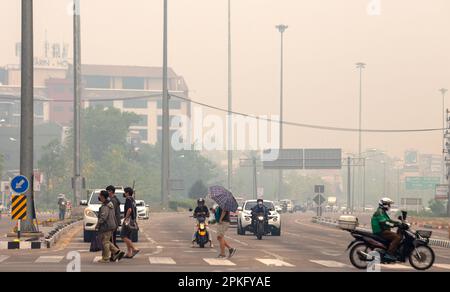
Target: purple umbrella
[{"x": 224, "y": 198}]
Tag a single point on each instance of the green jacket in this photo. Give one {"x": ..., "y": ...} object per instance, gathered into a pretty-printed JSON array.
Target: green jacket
[{"x": 382, "y": 222}]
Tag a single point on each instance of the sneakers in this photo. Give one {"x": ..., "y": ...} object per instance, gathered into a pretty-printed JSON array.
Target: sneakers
[
  {"x": 211, "y": 245},
  {"x": 118, "y": 256},
  {"x": 102, "y": 261},
  {"x": 232, "y": 251},
  {"x": 221, "y": 256}
]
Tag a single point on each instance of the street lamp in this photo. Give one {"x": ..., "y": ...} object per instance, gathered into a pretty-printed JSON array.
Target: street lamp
[
  {"x": 281, "y": 28},
  {"x": 360, "y": 66},
  {"x": 443, "y": 91},
  {"x": 230, "y": 108}
]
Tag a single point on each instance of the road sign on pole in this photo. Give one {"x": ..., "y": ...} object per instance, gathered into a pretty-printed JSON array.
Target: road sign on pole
[
  {"x": 20, "y": 184},
  {"x": 18, "y": 207},
  {"x": 319, "y": 189},
  {"x": 319, "y": 199}
]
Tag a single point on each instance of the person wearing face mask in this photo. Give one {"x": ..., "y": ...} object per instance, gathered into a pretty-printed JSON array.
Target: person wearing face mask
[
  {"x": 260, "y": 209},
  {"x": 382, "y": 224}
]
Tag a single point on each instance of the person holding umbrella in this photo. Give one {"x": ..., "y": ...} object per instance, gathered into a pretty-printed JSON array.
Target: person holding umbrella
[{"x": 226, "y": 204}]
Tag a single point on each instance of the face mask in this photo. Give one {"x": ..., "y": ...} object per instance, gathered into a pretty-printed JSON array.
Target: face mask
[
  {"x": 260, "y": 204},
  {"x": 99, "y": 199}
]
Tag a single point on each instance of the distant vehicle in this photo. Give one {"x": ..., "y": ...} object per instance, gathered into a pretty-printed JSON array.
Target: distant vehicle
[
  {"x": 90, "y": 214},
  {"x": 369, "y": 208},
  {"x": 287, "y": 206},
  {"x": 299, "y": 208},
  {"x": 143, "y": 210},
  {"x": 245, "y": 218}
]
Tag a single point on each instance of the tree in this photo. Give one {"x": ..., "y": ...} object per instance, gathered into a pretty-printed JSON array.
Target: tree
[
  {"x": 198, "y": 190},
  {"x": 438, "y": 208}
]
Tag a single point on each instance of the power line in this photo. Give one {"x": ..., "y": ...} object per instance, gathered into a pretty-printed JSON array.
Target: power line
[
  {"x": 295, "y": 124},
  {"x": 302, "y": 125}
]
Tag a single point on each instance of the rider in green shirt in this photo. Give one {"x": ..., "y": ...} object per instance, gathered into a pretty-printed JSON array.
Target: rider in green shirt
[{"x": 382, "y": 224}]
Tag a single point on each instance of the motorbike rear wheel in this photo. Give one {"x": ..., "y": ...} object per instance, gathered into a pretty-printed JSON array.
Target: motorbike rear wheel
[
  {"x": 356, "y": 259},
  {"x": 422, "y": 258}
]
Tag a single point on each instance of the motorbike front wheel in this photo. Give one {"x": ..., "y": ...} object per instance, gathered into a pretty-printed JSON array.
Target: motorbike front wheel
[
  {"x": 422, "y": 258},
  {"x": 357, "y": 258}
]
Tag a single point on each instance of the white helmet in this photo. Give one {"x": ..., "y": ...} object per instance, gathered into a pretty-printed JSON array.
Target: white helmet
[{"x": 386, "y": 203}]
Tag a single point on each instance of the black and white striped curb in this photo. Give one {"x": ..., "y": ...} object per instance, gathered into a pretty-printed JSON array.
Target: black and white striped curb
[
  {"x": 20, "y": 245},
  {"x": 335, "y": 224},
  {"x": 60, "y": 230}
]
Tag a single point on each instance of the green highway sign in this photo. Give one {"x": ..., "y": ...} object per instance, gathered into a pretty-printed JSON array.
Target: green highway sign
[{"x": 421, "y": 183}]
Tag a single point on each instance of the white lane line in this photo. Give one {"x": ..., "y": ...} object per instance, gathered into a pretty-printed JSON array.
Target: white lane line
[
  {"x": 397, "y": 267},
  {"x": 49, "y": 259},
  {"x": 161, "y": 261},
  {"x": 3, "y": 245},
  {"x": 275, "y": 263},
  {"x": 219, "y": 262},
  {"x": 440, "y": 266},
  {"x": 3, "y": 258},
  {"x": 158, "y": 250},
  {"x": 330, "y": 264}
]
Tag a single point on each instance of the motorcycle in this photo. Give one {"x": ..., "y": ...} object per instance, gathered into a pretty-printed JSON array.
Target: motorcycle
[
  {"x": 413, "y": 247},
  {"x": 260, "y": 226},
  {"x": 201, "y": 236}
]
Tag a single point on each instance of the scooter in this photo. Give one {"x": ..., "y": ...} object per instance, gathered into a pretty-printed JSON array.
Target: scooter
[
  {"x": 414, "y": 247},
  {"x": 201, "y": 236}
]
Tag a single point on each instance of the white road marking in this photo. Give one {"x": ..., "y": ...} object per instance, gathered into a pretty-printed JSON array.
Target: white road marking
[
  {"x": 330, "y": 264},
  {"x": 3, "y": 258},
  {"x": 440, "y": 266},
  {"x": 275, "y": 262},
  {"x": 396, "y": 267},
  {"x": 161, "y": 261},
  {"x": 25, "y": 245},
  {"x": 3, "y": 245},
  {"x": 49, "y": 259},
  {"x": 219, "y": 262}
]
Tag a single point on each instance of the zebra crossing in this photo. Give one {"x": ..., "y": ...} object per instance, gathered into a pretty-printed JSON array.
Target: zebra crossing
[{"x": 216, "y": 262}]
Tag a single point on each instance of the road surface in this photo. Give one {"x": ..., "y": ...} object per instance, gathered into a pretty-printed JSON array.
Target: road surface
[{"x": 165, "y": 246}]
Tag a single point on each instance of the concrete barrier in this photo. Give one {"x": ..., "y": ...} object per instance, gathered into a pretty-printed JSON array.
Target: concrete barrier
[{"x": 54, "y": 235}]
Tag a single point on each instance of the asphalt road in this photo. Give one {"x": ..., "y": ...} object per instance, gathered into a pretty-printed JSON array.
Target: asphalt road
[{"x": 165, "y": 246}]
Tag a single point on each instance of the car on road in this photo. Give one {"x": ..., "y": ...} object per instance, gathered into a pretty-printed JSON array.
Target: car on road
[
  {"x": 90, "y": 214},
  {"x": 143, "y": 210},
  {"x": 244, "y": 223},
  {"x": 287, "y": 206}
]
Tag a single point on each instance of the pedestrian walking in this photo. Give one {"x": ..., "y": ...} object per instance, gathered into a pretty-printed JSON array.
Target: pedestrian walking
[
  {"x": 112, "y": 196},
  {"x": 62, "y": 204},
  {"x": 129, "y": 226},
  {"x": 226, "y": 204},
  {"x": 106, "y": 225}
]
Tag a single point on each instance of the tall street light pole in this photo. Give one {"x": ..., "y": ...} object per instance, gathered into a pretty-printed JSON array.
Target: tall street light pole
[
  {"x": 443, "y": 91},
  {"x": 230, "y": 108},
  {"x": 76, "y": 101},
  {"x": 27, "y": 110},
  {"x": 165, "y": 171},
  {"x": 360, "y": 66},
  {"x": 281, "y": 28}
]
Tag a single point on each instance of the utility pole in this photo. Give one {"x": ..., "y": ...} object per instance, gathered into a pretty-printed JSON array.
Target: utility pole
[
  {"x": 165, "y": 171},
  {"x": 447, "y": 161},
  {"x": 349, "y": 199},
  {"x": 230, "y": 108},
  {"x": 281, "y": 28},
  {"x": 360, "y": 66},
  {"x": 76, "y": 102},
  {"x": 255, "y": 182},
  {"x": 443, "y": 91},
  {"x": 27, "y": 111}
]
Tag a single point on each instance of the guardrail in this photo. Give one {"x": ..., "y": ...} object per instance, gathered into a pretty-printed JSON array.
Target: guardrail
[{"x": 331, "y": 222}]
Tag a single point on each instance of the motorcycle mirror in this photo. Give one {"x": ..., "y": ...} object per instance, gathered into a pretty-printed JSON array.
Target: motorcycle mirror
[
  {"x": 400, "y": 218},
  {"x": 190, "y": 210},
  {"x": 404, "y": 214}
]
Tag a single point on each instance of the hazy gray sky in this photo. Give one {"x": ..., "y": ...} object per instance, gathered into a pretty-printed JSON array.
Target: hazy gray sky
[{"x": 406, "y": 49}]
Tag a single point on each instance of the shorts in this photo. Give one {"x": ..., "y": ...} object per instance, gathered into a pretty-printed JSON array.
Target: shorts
[{"x": 222, "y": 228}]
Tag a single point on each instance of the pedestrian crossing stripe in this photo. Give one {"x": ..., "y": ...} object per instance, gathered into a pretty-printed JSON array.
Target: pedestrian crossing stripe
[
  {"x": 19, "y": 207},
  {"x": 330, "y": 264},
  {"x": 442, "y": 266},
  {"x": 3, "y": 258},
  {"x": 219, "y": 262},
  {"x": 161, "y": 261},
  {"x": 275, "y": 262},
  {"x": 49, "y": 259},
  {"x": 397, "y": 267}
]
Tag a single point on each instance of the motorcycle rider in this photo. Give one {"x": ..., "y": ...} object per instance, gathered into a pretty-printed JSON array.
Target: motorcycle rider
[
  {"x": 258, "y": 209},
  {"x": 201, "y": 211},
  {"x": 382, "y": 224}
]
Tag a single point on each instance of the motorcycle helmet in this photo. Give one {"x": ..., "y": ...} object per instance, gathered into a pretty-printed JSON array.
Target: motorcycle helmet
[
  {"x": 201, "y": 202},
  {"x": 385, "y": 203}
]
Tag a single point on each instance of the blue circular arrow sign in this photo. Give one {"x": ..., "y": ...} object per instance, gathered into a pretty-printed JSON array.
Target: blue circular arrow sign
[{"x": 20, "y": 184}]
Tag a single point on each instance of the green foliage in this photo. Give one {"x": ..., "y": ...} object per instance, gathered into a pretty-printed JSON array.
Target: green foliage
[
  {"x": 438, "y": 208},
  {"x": 198, "y": 190}
]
